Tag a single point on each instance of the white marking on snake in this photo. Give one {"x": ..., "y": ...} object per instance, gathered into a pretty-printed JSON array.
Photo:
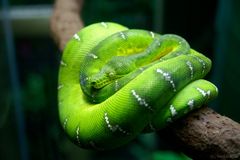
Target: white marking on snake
[
  {"x": 202, "y": 62},
  {"x": 204, "y": 93},
  {"x": 177, "y": 54},
  {"x": 168, "y": 78},
  {"x": 158, "y": 42},
  {"x": 76, "y": 36},
  {"x": 116, "y": 85},
  {"x": 152, "y": 34},
  {"x": 208, "y": 93},
  {"x": 141, "y": 100},
  {"x": 63, "y": 63},
  {"x": 111, "y": 74},
  {"x": 113, "y": 128},
  {"x": 203, "y": 65},
  {"x": 104, "y": 24},
  {"x": 141, "y": 69},
  {"x": 189, "y": 64},
  {"x": 123, "y": 35},
  {"x": 60, "y": 86},
  {"x": 65, "y": 123},
  {"x": 173, "y": 110},
  {"x": 161, "y": 60},
  {"x": 93, "y": 55},
  {"x": 181, "y": 42},
  {"x": 191, "y": 104},
  {"x": 77, "y": 131},
  {"x": 216, "y": 89}
]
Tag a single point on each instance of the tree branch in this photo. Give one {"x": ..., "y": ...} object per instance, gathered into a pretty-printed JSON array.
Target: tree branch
[
  {"x": 203, "y": 134},
  {"x": 65, "y": 21}
]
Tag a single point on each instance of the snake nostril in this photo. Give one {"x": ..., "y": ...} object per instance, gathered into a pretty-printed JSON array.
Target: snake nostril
[{"x": 93, "y": 83}]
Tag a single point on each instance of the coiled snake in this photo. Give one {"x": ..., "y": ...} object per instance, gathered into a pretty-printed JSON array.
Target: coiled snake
[{"x": 115, "y": 83}]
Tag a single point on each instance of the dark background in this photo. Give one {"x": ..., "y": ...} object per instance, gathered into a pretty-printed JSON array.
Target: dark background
[{"x": 29, "y": 125}]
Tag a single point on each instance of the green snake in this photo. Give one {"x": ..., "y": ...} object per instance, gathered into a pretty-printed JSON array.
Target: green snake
[{"x": 115, "y": 83}]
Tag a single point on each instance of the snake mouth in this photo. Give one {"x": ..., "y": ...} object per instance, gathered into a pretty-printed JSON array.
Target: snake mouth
[
  {"x": 100, "y": 83},
  {"x": 103, "y": 78}
]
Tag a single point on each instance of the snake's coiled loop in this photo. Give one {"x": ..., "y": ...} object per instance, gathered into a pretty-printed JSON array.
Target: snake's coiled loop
[{"x": 115, "y": 83}]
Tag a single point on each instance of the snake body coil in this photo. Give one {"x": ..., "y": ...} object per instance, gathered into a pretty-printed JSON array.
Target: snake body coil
[{"x": 115, "y": 83}]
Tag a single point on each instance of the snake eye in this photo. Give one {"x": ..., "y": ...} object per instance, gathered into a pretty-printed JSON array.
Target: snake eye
[
  {"x": 93, "y": 84},
  {"x": 111, "y": 74}
]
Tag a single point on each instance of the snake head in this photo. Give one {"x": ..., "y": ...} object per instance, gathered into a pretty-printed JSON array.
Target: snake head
[
  {"x": 116, "y": 68},
  {"x": 93, "y": 81},
  {"x": 103, "y": 78}
]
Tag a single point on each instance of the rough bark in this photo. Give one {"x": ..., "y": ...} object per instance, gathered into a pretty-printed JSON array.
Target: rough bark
[
  {"x": 203, "y": 134},
  {"x": 65, "y": 21}
]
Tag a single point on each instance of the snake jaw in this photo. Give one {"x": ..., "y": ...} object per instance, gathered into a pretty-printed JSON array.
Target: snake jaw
[
  {"x": 91, "y": 84},
  {"x": 100, "y": 79},
  {"x": 99, "y": 83}
]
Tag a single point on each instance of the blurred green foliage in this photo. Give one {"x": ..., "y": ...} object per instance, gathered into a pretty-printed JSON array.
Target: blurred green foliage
[
  {"x": 38, "y": 59},
  {"x": 131, "y": 13},
  {"x": 226, "y": 73}
]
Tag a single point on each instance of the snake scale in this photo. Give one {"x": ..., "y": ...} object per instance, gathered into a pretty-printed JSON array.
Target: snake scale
[{"x": 115, "y": 83}]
